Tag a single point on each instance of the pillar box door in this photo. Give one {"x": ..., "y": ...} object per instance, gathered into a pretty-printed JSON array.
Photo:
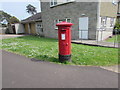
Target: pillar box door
[{"x": 64, "y": 38}]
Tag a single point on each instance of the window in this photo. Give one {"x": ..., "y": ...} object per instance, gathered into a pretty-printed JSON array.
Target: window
[
  {"x": 55, "y": 22},
  {"x": 57, "y": 2},
  {"x": 53, "y": 2},
  {"x": 39, "y": 27},
  {"x": 114, "y": 2},
  {"x": 112, "y": 22},
  {"x": 103, "y": 21},
  {"x": 61, "y": 20},
  {"x": 68, "y": 0},
  {"x": 68, "y": 20}
]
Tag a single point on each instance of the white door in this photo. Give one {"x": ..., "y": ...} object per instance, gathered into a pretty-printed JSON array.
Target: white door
[{"x": 83, "y": 28}]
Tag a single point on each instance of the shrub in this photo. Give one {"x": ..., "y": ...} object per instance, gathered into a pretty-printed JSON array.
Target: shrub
[
  {"x": 7, "y": 31},
  {"x": 117, "y": 28}
]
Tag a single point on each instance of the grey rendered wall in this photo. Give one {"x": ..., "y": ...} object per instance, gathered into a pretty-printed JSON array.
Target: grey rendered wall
[{"x": 72, "y": 10}]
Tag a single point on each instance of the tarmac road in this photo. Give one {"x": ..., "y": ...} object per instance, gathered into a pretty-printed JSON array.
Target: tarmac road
[{"x": 21, "y": 72}]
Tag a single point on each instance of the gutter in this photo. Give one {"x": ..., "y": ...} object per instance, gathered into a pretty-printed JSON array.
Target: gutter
[{"x": 23, "y": 22}]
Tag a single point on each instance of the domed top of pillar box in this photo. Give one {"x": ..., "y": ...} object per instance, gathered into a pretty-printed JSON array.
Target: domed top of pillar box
[{"x": 64, "y": 24}]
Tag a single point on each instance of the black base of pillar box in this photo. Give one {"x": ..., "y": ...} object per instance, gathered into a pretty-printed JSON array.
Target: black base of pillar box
[{"x": 63, "y": 58}]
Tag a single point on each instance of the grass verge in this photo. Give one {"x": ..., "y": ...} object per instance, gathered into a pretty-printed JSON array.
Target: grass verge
[
  {"x": 47, "y": 50},
  {"x": 115, "y": 38}
]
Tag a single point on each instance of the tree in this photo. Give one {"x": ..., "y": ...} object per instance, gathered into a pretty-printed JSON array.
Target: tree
[
  {"x": 31, "y": 9},
  {"x": 10, "y": 19},
  {"x": 117, "y": 27},
  {"x": 4, "y": 16}
]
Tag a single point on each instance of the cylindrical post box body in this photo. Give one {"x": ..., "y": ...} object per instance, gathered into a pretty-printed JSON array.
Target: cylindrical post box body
[{"x": 64, "y": 38}]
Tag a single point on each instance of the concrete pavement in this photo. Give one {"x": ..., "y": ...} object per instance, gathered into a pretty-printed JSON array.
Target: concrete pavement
[
  {"x": 21, "y": 72},
  {"x": 96, "y": 43}
]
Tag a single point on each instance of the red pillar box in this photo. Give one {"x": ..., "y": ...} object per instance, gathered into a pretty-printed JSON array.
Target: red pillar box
[{"x": 64, "y": 36}]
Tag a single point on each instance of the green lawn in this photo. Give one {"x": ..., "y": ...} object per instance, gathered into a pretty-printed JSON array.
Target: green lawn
[
  {"x": 115, "y": 38},
  {"x": 47, "y": 50}
]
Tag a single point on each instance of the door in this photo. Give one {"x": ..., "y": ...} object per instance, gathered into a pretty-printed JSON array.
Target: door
[
  {"x": 32, "y": 28},
  {"x": 83, "y": 28}
]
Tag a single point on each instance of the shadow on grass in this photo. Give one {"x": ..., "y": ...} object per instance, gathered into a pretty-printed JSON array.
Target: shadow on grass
[{"x": 45, "y": 58}]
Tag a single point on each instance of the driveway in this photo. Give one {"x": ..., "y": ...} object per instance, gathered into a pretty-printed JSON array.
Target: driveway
[
  {"x": 21, "y": 72},
  {"x": 5, "y": 36}
]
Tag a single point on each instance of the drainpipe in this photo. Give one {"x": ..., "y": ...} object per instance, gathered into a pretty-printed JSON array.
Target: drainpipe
[{"x": 98, "y": 21}]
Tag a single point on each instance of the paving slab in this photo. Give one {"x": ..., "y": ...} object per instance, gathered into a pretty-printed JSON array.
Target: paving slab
[
  {"x": 21, "y": 72},
  {"x": 97, "y": 43},
  {"x": 115, "y": 68}
]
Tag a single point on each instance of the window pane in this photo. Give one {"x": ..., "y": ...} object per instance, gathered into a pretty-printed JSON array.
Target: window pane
[
  {"x": 60, "y": 21},
  {"x": 103, "y": 21},
  {"x": 112, "y": 22},
  {"x": 55, "y": 2},
  {"x": 64, "y": 20},
  {"x": 55, "y": 22},
  {"x": 51, "y": 2},
  {"x": 68, "y": 20},
  {"x": 68, "y": 0}
]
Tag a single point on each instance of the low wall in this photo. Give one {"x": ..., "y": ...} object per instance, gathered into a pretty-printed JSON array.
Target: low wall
[{"x": 102, "y": 35}]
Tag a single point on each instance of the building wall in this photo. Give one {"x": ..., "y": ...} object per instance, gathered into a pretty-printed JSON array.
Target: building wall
[
  {"x": 26, "y": 28},
  {"x": 3, "y": 30},
  {"x": 108, "y": 9},
  {"x": 73, "y": 10},
  {"x": 102, "y": 35},
  {"x": 118, "y": 12},
  {"x": 32, "y": 28},
  {"x": 10, "y": 29},
  {"x": 118, "y": 7},
  {"x": 107, "y": 15},
  {"x": 107, "y": 29},
  {"x": 19, "y": 28}
]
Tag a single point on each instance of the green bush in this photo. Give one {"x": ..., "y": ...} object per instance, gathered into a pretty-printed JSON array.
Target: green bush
[
  {"x": 7, "y": 31},
  {"x": 117, "y": 25},
  {"x": 117, "y": 28}
]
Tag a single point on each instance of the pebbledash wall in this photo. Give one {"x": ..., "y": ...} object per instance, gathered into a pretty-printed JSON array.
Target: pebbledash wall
[{"x": 73, "y": 10}]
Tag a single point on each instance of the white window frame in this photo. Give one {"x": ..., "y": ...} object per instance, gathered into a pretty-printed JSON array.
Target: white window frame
[
  {"x": 59, "y": 2},
  {"x": 69, "y": 19},
  {"x": 39, "y": 25},
  {"x": 68, "y": 0},
  {"x": 54, "y": 3},
  {"x": 103, "y": 21},
  {"x": 60, "y": 20},
  {"x": 55, "y": 22},
  {"x": 112, "y": 22},
  {"x": 114, "y": 2}
]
